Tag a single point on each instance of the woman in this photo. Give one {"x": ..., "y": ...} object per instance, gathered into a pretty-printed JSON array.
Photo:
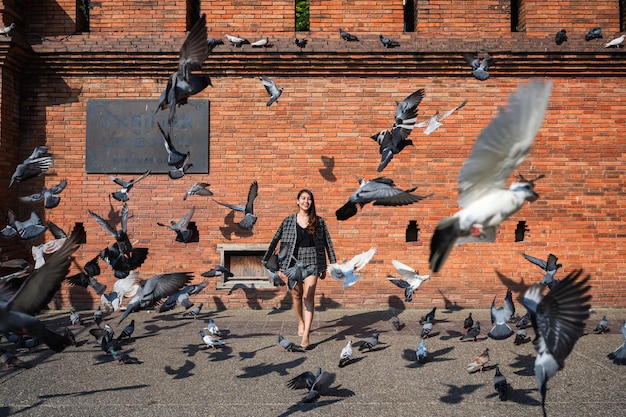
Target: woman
[{"x": 303, "y": 236}]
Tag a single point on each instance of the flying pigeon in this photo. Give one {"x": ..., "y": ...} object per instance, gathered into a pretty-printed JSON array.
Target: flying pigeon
[
  {"x": 31, "y": 228},
  {"x": 174, "y": 158},
  {"x": 213, "y": 329},
  {"x": 262, "y": 43},
  {"x": 346, "y": 354},
  {"x": 602, "y": 326},
  {"x": 411, "y": 282},
  {"x": 236, "y": 41},
  {"x": 499, "y": 317},
  {"x": 502, "y": 387},
  {"x": 479, "y": 362},
  {"x": 382, "y": 191},
  {"x": 388, "y": 43},
  {"x": 47, "y": 195},
  {"x": 180, "y": 227},
  {"x": 499, "y": 149},
  {"x": 618, "y": 356},
  {"x": 212, "y": 43},
  {"x": 128, "y": 331},
  {"x": 180, "y": 297},
  {"x": 317, "y": 384},
  {"x": 347, "y": 37},
  {"x": 300, "y": 43},
  {"x": 217, "y": 271},
  {"x": 249, "y": 219},
  {"x": 288, "y": 345},
  {"x": 271, "y": 88},
  {"x": 595, "y": 33},
  {"x": 434, "y": 122},
  {"x": 560, "y": 37},
  {"x": 472, "y": 333},
  {"x": 84, "y": 279},
  {"x": 296, "y": 273},
  {"x": 549, "y": 265},
  {"x": 421, "y": 352},
  {"x": 521, "y": 337},
  {"x": 179, "y": 172},
  {"x": 199, "y": 188},
  {"x": 6, "y": 31},
  {"x": 122, "y": 194},
  {"x": 427, "y": 328},
  {"x": 182, "y": 84},
  {"x": 429, "y": 316},
  {"x": 468, "y": 323},
  {"x": 210, "y": 341},
  {"x": 393, "y": 142},
  {"x": 479, "y": 67},
  {"x": 370, "y": 343},
  {"x": 558, "y": 320},
  {"x": 195, "y": 311},
  {"x": 508, "y": 305},
  {"x": 35, "y": 165},
  {"x": 616, "y": 43},
  {"x": 126, "y": 287},
  {"x": 347, "y": 271}
]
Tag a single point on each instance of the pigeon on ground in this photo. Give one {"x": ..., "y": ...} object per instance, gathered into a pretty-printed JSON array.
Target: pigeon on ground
[
  {"x": 128, "y": 331},
  {"x": 346, "y": 354},
  {"x": 31, "y": 228},
  {"x": 122, "y": 194},
  {"x": 47, "y": 195},
  {"x": 10, "y": 361},
  {"x": 472, "y": 333},
  {"x": 183, "y": 84},
  {"x": 550, "y": 266},
  {"x": 153, "y": 290},
  {"x": 618, "y": 356},
  {"x": 560, "y": 37},
  {"x": 411, "y": 282},
  {"x": 262, "y": 43},
  {"x": 212, "y": 43},
  {"x": 347, "y": 37},
  {"x": 502, "y": 387},
  {"x": 388, "y": 43},
  {"x": 123, "y": 358},
  {"x": 391, "y": 142},
  {"x": 199, "y": 188},
  {"x": 97, "y": 316},
  {"x": 427, "y": 328},
  {"x": 521, "y": 337},
  {"x": 468, "y": 323},
  {"x": 370, "y": 343},
  {"x": 499, "y": 317},
  {"x": 194, "y": 311},
  {"x": 498, "y": 150},
  {"x": 479, "y": 362},
  {"x": 300, "y": 43},
  {"x": 217, "y": 271},
  {"x": 395, "y": 322},
  {"x": 17, "y": 309},
  {"x": 429, "y": 316},
  {"x": 288, "y": 345},
  {"x": 213, "y": 329},
  {"x": 434, "y": 122},
  {"x": 346, "y": 272},
  {"x": 183, "y": 234},
  {"x": 174, "y": 158},
  {"x": 237, "y": 41},
  {"x": 559, "y": 321},
  {"x": 616, "y": 43},
  {"x": 271, "y": 88},
  {"x": 524, "y": 321},
  {"x": 509, "y": 305},
  {"x": 210, "y": 341},
  {"x": 249, "y": 219},
  {"x": 595, "y": 33},
  {"x": 382, "y": 191},
  {"x": 602, "y": 326},
  {"x": 38, "y": 163},
  {"x": 6, "y": 31},
  {"x": 421, "y": 352},
  {"x": 479, "y": 67}
]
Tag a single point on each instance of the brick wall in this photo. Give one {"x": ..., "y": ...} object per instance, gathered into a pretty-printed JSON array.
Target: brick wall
[{"x": 574, "y": 16}]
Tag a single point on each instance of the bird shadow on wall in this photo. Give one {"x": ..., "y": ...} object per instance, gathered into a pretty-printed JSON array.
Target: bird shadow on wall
[
  {"x": 231, "y": 227},
  {"x": 450, "y": 306}
]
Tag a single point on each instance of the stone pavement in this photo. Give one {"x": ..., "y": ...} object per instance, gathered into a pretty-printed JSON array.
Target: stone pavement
[{"x": 247, "y": 378}]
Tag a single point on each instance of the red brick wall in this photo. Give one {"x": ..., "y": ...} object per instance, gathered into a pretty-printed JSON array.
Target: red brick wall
[
  {"x": 450, "y": 17},
  {"x": 577, "y": 17},
  {"x": 249, "y": 17},
  {"x": 356, "y": 16},
  {"x": 138, "y": 16}
]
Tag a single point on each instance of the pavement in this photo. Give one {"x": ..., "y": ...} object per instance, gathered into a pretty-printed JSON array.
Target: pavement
[{"x": 178, "y": 377}]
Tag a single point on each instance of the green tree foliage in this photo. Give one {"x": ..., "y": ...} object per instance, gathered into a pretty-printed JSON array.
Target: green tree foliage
[{"x": 302, "y": 15}]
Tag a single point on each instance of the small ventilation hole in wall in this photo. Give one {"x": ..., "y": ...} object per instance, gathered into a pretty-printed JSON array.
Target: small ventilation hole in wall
[{"x": 412, "y": 231}]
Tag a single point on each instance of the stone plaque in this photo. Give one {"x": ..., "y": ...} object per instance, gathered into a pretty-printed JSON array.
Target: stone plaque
[{"x": 123, "y": 136}]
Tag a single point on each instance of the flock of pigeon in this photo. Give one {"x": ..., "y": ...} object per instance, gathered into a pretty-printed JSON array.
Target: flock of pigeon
[{"x": 558, "y": 317}]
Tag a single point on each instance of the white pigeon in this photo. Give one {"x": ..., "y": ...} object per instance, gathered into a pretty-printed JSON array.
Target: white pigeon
[
  {"x": 210, "y": 341},
  {"x": 346, "y": 354},
  {"x": 617, "y": 42},
  {"x": 212, "y": 328},
  {"x": 434, "y": 122},
  {"x": 498, "y": 150},
  {"x": 126, "y": 287},
  {"x": 411, "y": 282},
  {"x": 6, "y": 31},
  {"x": 347, "y": 271}
]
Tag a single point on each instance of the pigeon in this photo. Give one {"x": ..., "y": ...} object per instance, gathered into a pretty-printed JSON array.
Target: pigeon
[
  {"x": 618, "y": 356},
  {"x": 236, "y": 41},
  {"x": 217, "y": 271},
  {"x": 549, "y": 265},
  {"x": 347, "y": 37},
  {"x": 178, "y": 173},
  {"x": 154, "y": 289},
  {"x": 616, "y": 43},
  {"x": 429, "y": 316},
  {"x": 524, "y": 321},
  {"x": 472, "y": 333},
  {"x": 502, "y": 387},
  {"x": 213, "y": 329},
  {"x": 317, "y": 384},
  {"x": 183, "y": 84},
  {"x": 479, "y": 67},
  {"x": 32, "y": 228},
  {"x": 509, "y": 306},
  {"x": 370, "y": 343},
  {"x": 110, "y": 301},
  {"x": 17, "y": 308},
  {"x": 271, "y": 88},
  {"x": 479, "y": 362},
  {"x": 560, "y": 37},
  {"x": 468, "y": 323},
  {"x": 123, "y": 358},
  {"x": 499, "y": 149},
  {"x": 249, "y": 219},
  {"x": 210, "y": 341},
  {"x": 499, "y": 317},
  {"x": 393, "y": 142},
  {"x": 382, "y": 191},
  {"x": 48, "y": 248},
  {"x": 212, "y": 43},
  {"x": 10, "y": 361},
  {"x": 126, "y": 287},
  {"x": 174, "y": 158},
  {"x": 346, "y": 272},
  {"x": 85, "y": 280},
  {"x": 296, "y": 273},
  {"x": 411, "y": 282},
  {"x": 346, "y": 354},
  {"x": 180, "y": 297},
  {"x": 262, "y": 43},
  {"x": 195, "y": 289},
  {"x": 558, "y": 319},
  {"x": 97, "y": 316},
  {"x": 38, "y": 163},
  {"x": 434, "y": 122},
  {"x": 327, "y": 171},
  {"x": 602, "y": 326},
  {"x": 47, "y": 195},
  {"x": 427, "y": 328},
  {"x": 287, "y": 345},
  {"x": 6, "y": 31},
  {"x": 395, "y": 322},
  {"x": 122, "y": 194},
  {"x": 521, "y": 337},
  {"x": 388, "y": 43},
  {"x": 595, "y": 33},
  {"x": 421, "y": 352},
  {"x": 75, "y": 318},
  {"x": 199, "y": 188},
  {"x": 128, "y": 331},
  {"x": 300, "y": 43},
  {"x": 183, "y": 234},
  {"x": 195, "y": 311}
]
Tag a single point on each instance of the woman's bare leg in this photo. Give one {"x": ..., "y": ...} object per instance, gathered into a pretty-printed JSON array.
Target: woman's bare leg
[
  {"x": 308, "y": 299},
  {"x": 296, "y": 295}
]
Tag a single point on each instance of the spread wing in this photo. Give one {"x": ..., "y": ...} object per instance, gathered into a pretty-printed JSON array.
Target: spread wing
[{"x": 195, "y": 49}]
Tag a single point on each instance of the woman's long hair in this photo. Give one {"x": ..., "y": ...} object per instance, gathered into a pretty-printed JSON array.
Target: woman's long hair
[{"x": 313, "y": 224}]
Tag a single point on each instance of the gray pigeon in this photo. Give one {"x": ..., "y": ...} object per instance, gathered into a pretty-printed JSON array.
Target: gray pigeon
[
  {"x": 316, "y": 384},
  {"x": 262, "y": 43},
  {"x": 47, "y": 195},
  {"x": 421, "y": 352},
  {"x": 347, "y": 36},
  {"x": 97, "y": 316},
  {"x": 198, "y": 188},
  {"x": 550, "y": 266},
  {"x": 370, "y": 343},
  {"x": 558, "y": 319},
  {"x": 560, "y": 37},
  {"x": 429, "y": 316},
  {"x": 388, "y": 43},
  {"x": 618, "y": 356},
  {"x": 31, "y": 228},
  {"x": 479, "y": 67},
  {"x": 521, "y": 337},
  {"x": 499, "y": 317},
  {"x": 602, "y": 326},
  {"x": 210, "y": 341},
  {"x": 288, "y": 345},
  {"x": 382, "y": 191},
  {"x": 300, "y": 43},
  {"x": 217, "y": 271},
  {"x": 296, "y": 273},
  {"x": 177, "y": 173},
  {"x": 249, "y": 219},
  {"x": 180, "y": 227},
  {"x": 468, "y": 323},
  {"x": 427, "y": 328},
  {"x": 174, "y": 158},
  {"x": 271, "y": 88},
  {"x": 122, "y": 194},
  {"x": 180, "y": 297},
  {"x": 128, "y": 331},
  {"x": 212, "y": 43},
  {"x": 213, "y": 329},
  {"x": 472, "y": 333},
  {"x": 195, "y": 311},
  {"x": 35, "y": 165},
  {"x": 595, "y": 33},
  {"x": 502, "y": 387},
  {"x": 237, "y": 41}
]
